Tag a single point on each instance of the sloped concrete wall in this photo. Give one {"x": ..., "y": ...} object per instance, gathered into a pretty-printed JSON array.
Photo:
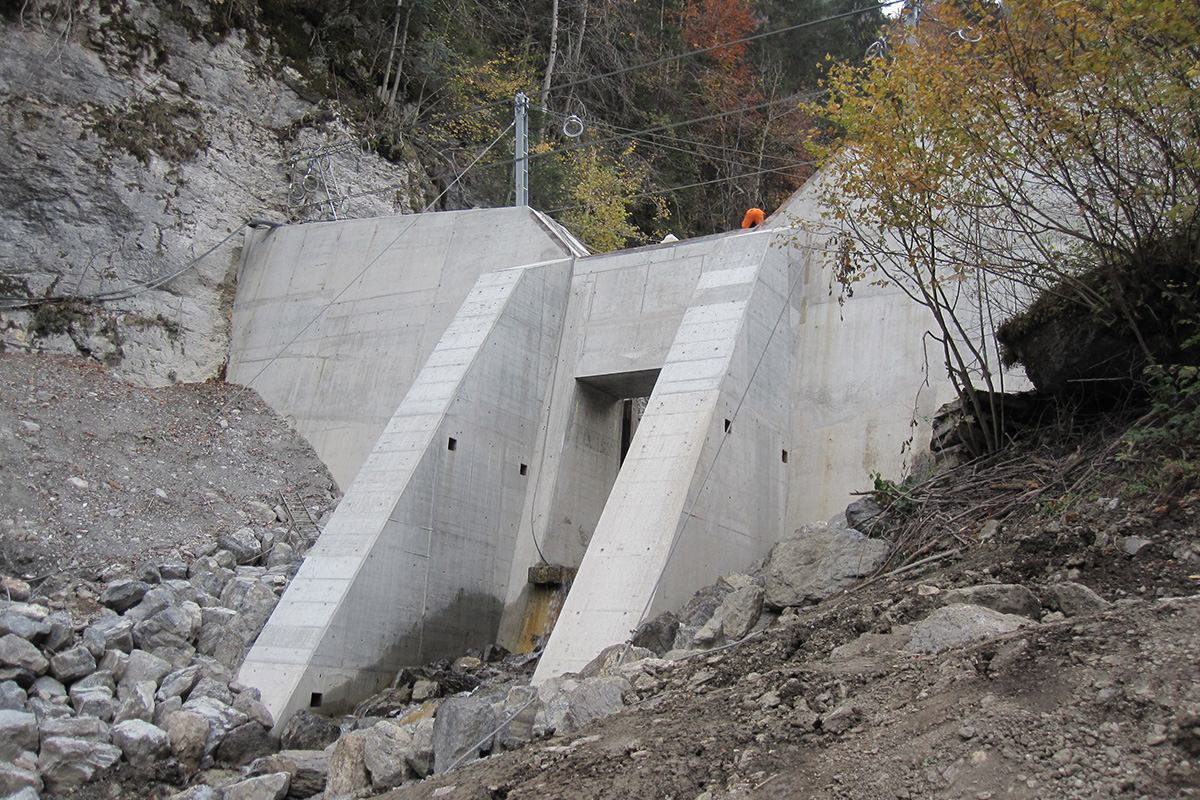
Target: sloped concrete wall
[
  {"x": 334, "y": 319},
  {"x": 415, "y": 562},
  {"x": 702, "y": 490}
]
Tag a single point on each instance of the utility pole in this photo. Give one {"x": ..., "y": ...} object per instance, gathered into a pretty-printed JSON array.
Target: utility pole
[{"x": 521, "y": 162}]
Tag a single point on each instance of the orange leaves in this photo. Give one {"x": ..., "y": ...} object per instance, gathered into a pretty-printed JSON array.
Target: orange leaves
[{"x": 707, "y": 23}]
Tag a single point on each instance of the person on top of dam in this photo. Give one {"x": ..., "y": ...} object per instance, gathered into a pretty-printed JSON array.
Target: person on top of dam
[{"x": 753, "y": 218}]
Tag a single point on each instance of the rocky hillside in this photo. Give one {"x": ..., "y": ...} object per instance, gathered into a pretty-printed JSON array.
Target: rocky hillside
[
  {"x": 140, "y": 136},
  {"x": 1022, "y": 626}
]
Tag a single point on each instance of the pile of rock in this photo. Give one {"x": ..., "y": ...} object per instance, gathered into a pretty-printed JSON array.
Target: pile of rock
[
  {"x": 443, "y": 715},
  {"x": 147, "y": 680}
]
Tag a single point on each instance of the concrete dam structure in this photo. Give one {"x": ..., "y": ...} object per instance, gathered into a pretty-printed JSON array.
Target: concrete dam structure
[{"x": 510, "y": 416}]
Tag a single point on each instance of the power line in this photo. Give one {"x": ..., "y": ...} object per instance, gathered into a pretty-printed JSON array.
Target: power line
[{"x": 649, "y": 64}]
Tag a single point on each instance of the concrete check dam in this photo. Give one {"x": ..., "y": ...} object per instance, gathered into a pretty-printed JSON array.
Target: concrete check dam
[{"x": 509, "y": 416}]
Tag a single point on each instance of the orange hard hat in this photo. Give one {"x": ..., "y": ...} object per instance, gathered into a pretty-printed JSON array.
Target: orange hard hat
[{"x": 753, "y": 218}]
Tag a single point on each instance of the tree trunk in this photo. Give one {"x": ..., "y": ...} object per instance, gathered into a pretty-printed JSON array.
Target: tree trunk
[{"x": 553, "y": 53}]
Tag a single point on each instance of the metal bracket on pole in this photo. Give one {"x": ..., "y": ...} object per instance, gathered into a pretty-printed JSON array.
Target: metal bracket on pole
[{"x": 521, "y": 162}]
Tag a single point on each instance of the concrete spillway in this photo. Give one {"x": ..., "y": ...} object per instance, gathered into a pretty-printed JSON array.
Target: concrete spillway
[{"x": 464, "y": 375}]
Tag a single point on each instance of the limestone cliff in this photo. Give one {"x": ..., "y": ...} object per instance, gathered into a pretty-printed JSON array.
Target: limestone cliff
[{"x": 138, "y": 135}]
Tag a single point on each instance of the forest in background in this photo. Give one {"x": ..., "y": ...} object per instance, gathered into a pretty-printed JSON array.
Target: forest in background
[{"x": 675, "y": 134}]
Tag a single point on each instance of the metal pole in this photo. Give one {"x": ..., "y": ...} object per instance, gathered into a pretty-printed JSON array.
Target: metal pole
[{"x": 521, "y": 163}]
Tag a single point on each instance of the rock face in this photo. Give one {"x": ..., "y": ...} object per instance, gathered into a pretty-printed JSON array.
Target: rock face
[
  {"x": 111, "y": 182},
  {"x": 817, "y": 561}
]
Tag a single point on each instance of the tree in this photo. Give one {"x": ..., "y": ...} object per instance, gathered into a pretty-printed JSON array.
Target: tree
[{"x": 1033, "y": 145}]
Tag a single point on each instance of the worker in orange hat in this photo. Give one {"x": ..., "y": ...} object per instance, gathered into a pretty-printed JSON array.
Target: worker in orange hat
[{"x": 753, "y": 218}]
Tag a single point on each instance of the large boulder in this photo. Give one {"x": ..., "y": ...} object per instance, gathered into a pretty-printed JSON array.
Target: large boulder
[
  {"x": 18, "y": 653},
  {"x": 956, "y": 625},
  {"x": 263, "y": 787},
  {"x": 1007, "y": 598},
  {"x": 144, "y": 745},
  {"x": 1073, "y": 599},
  {"x": 733, "y": 618},
  {"x": 385, "y": 754},
  {"x": 817, "y": 561},
  {"x": 66, "y": 763},
  {"x": 309, "y": 731},
  {"x": 463, "y": 728},
  {"x": 18, "y": 734},
  {"x": 347, "y": 765},
  {"x": 308, "y": 770}
]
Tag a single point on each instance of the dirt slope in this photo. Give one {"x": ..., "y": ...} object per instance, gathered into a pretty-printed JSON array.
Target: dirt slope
[{"x": 97, "y": 475}]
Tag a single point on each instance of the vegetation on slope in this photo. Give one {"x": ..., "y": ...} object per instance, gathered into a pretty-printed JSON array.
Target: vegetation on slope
[
  {"x": 673, "y": 140},
  {"x": 1035, "y": 147}
]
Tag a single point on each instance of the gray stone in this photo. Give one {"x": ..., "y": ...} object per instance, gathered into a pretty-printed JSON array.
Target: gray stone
[
  {"x": 115, "y": 662},
  {"x": 148, "y": 572},
  {"x": 154, "y": 601},
  {"x": 138, "y": 703},
  {"x": 145, "y": 666},
  {"x": 243, "y": 544},
  {"x": 31, "y": 630},
  {"x": 420, "y": 758},
  {"x": 517, "y": 715},
  {"x": 19, "y": 778},
  {"x": 657, "y": 634},
  {"x": 863, "y": 513},
  {"x": 733, "y": 618},
  {"x": 199, "y": 792},
  {"x": 47, "y": 688},
  {"x": 90, "y": 729},
  {"x": 173, "y": 570},
  {"x": 73, "y": 664},
  {"x": 66, "y": 763},
  {"x": 163, "y": 709},
  {"x": 20, "y": 781},
  {"x": 188, "y": 733},
  {"x": 264, "y": 787},
  {"x": 18, "y": 733},
  {"x": 282, "y": 554},
  {"x": 1074, "y": 599},
  {"x": 1007, "y": 598},
  {"x": 12, "y": 696},
  {"x": 142, "y": 743},
  {"x": 254, "y": 709},
  {"x": 44, "y": 709},
  {"x": 309, "y": 770},
  {"x": 95, "y": 701},
  {"x": 62, "y": 633},
  {"x": 245, "y": 743},
  {"x": 18, "y": 652},
  {"x": 123, "y": 595},
  {"x": 252, "y": 601},
  {"x": 99, "y": 678},
  {"x": 209, "y": 687},
  {"x": 347, "y": 767},
  {"x": 385, "y": 754},
  {"x": 463, "y": 728},
  {"x": 178, "y": 683},
  {"x": 611, "y": 658},
  {"x": 308, "y": 731},
  {"x": 113, "y": 633},
  {"x": 174, "y": 626},
  {"x": 841, "y": 719},
  {"x": 817, "y": 561},
  {"x": 221, "y": 719},
  {"x": 211, "y": 581},
  {"x": 955, "y": 625}
]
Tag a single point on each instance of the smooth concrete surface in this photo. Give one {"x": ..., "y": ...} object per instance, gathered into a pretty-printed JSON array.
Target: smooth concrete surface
[
  {"x": 334, "y": 319},
  {"x": 413, "y": 564},
  {"x": 769, "y": 403}
]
